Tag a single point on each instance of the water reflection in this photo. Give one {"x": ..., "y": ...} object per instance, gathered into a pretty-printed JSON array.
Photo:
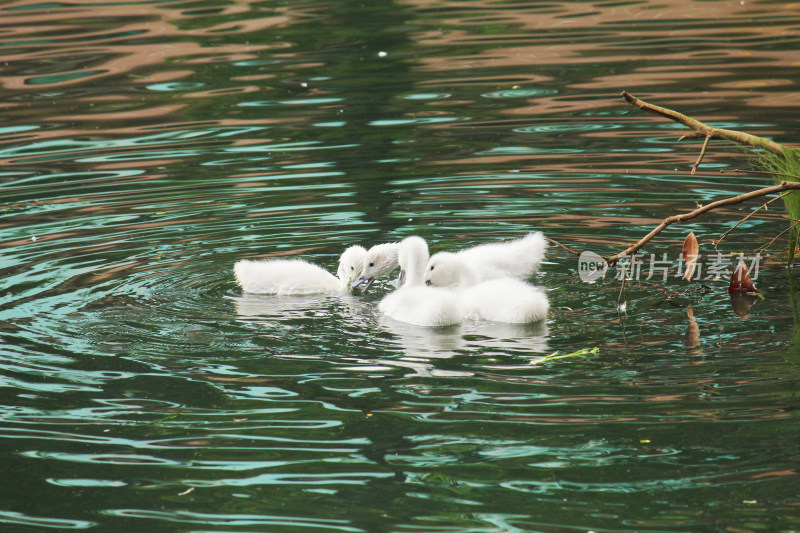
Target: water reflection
[
  {"x": 418, "y": 347},
  {"x": 692, "y": 335},
  {"x": 741, "y": 304},
  {"x": 267, "y": 310}
]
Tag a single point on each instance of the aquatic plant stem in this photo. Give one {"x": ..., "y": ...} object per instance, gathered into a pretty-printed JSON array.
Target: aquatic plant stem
[{"x": 583, "y": 352}]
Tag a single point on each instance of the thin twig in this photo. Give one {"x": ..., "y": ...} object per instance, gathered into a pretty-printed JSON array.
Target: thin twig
[
  {"x": 690, "y": 135},
  {"x": 776, "y": 237},
  {"x": 783, "y": 186},
  {"x": 751, "y": 213},
  {"x": 702, "y": 153},
  {"x": 622, "y": 286},
  {"x": 573, "y": 252}
]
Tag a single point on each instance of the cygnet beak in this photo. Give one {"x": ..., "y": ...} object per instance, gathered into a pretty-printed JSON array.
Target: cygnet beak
[
  {"x": 401, "y": 279},
  {"x": 358, "y": 282},
  {"x": 370, "y": 281}
]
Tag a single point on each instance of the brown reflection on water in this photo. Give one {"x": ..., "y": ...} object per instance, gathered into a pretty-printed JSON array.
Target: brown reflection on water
[
  {"x": 83, "y": 73},
  {"x": 698, "y": 52},
  {"x": 62, "y": 45}
]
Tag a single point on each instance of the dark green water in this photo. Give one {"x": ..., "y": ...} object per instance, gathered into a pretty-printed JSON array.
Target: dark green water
[{"x": 146, "y": 146}]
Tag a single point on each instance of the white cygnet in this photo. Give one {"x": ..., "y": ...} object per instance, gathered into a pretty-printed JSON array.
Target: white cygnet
[
  {"x": 297, "y": 276},
  {"x": 415, "y": 303},
  {"x": 500, "y": 300},
  {"x": 518, "y": 258},
  {"x": 379, "y": 262}
]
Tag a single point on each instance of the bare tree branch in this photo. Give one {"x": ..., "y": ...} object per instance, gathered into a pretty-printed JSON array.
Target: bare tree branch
[
  {"x": 704, "y": 130},
  {"x": 783, "y": 186}
]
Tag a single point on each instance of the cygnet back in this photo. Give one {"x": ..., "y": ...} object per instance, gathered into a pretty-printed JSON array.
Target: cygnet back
[{"x": 283, "y": 276}]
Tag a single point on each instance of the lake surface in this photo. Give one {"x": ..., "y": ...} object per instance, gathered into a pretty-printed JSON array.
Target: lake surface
[{"x": 147, "y": 146}]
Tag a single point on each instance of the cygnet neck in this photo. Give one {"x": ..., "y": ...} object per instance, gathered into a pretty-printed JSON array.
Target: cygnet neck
[{"x": 413, "y": 256}]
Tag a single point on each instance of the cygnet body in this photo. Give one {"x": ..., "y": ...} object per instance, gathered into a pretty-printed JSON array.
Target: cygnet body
[
  {"x": 297, "y": 276},
  {"x": 505, "y": 300},
  {"x": 500, "y": 300},
  {"x": 379, "y": 262},
  {"x": 415, "y": 303}
]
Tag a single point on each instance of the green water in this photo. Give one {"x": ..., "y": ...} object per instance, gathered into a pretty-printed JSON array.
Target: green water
[{"x": 147, "y": 146}]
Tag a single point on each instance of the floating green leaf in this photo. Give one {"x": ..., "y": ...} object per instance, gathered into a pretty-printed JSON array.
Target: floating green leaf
[{"x": 584, "y": 352}]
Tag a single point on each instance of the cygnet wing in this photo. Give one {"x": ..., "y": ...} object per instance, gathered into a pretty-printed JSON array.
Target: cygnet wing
[{"x": 519, "y": 258}]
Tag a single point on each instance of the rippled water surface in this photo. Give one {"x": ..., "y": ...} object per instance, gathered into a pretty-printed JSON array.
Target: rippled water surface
[{"x": 146, "y": 146}]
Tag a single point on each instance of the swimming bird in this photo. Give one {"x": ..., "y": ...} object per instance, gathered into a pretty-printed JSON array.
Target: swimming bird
[
  {"x": 415, "y": 303},
  {"x": 297, "y": 276},
  {"x": 518, "y": 258},
  {"x": 504, "y": 299},
  {"x": 379, "y": 262}
]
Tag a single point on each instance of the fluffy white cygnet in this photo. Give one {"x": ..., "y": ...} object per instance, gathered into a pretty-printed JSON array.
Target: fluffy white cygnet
[
  {"x": 415, "y": 303},
  {"x": 500, "y": 300},
  {"x": 518, "y": 258},
  {"x": 296, "y": 276},
  {"x": 379, "y": 262}
]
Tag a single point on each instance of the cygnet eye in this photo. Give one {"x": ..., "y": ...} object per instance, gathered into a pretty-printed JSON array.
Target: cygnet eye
[
  {"x": 431, "y": 267},
  {"x": 372, "y": 264},
  {"x": 352, "y": 268}
]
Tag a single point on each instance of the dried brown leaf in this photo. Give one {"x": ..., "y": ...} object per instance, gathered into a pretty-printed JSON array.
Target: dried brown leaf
[
  {"x": 740, "y": 281},
  {"x": 691, "y": 249}
]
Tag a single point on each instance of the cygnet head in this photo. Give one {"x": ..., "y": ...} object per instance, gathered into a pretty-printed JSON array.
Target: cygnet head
[
  {"x": 379, "y": 262},
  {"x": 445, "y": 269},
  {"x": 351, "y": 264},
  {"x": 412, "y": 255}
]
